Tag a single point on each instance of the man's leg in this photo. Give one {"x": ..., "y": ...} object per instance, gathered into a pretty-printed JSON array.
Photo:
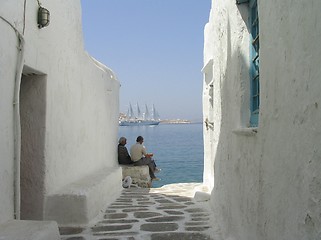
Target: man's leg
[
  {"x": 148, "y": 162},
  {"x": 151, "y": 164}
]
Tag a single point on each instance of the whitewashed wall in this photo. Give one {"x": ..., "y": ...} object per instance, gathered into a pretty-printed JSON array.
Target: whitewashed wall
[
  {"x": 80, "y": 114},
  {"x": 8, "y": 61},
  {"x": 267, "y": 185}
]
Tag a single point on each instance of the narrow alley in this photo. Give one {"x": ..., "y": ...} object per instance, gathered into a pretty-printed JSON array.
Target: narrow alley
[{"x": 169, "y": 212}]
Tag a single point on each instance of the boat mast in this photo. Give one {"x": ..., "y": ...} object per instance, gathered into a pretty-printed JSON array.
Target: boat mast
[
  {"x": 131, "y": 112},
  {"x": 139, "y": 115},
  {"x": 154, "y": 113},
  {"x": 146, "y": 116}
]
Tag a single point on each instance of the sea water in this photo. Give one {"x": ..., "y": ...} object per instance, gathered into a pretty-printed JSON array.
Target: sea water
[{"x": 178, "y": 150}]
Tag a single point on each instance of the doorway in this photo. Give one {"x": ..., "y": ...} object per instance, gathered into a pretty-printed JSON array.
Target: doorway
[{"x": 32, "y": 162}]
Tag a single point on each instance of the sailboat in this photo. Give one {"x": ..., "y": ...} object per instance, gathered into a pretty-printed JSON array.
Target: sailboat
[{"x": 141, "y": 119}]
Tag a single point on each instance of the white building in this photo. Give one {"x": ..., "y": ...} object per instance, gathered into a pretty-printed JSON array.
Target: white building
[
  {"x": 59, "y": 118},
  {"x": 262, "y": 101}
]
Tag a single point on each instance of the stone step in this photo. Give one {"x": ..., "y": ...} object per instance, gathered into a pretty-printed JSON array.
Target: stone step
[
  {"x": 139, "y": 174},
  {"x": 29, "y": 230}
]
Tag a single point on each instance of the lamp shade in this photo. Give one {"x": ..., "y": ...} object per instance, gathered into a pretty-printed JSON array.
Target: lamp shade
[{"x": 43, "y": 17}]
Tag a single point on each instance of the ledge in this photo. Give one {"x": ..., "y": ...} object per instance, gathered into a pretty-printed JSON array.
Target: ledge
[
  {"x": 79, "y": 202},
  {"x": 246, "y": 131},
  {"x": 139, "y": 175},
  {"x": 29, "y": 230}
]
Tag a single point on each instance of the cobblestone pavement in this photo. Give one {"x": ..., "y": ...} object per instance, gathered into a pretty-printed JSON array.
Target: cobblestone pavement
[{"x": 169, "y": 212}]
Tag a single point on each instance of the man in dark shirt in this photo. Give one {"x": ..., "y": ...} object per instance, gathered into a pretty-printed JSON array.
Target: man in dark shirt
[{"x": 123, "y": 155}]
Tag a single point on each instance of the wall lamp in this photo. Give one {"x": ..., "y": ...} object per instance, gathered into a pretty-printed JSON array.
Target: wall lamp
[{"x": 43, "y": 17}]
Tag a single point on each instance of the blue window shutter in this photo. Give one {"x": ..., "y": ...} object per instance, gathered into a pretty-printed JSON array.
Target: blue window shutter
[
  {"x": 241, "y": 1},
  {"x": 252, "y": 3},
  {"x": 254, "y": 64}
]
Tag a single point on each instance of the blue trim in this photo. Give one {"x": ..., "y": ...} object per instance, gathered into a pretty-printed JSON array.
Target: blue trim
[
  {"x": 241, "y": 1},
  {"x": 254, "y": 64},
  {"x": 252, "y": 2}
]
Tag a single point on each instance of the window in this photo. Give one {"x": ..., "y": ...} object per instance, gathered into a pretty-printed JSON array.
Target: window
[{"x": 254, "y": 65}]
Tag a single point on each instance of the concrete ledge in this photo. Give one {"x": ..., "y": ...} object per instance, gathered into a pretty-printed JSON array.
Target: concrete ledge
[
  {"x": 139, "y": 175},
  {"x": 78, "y": 203},
  {"x": 29, "y": 230}
]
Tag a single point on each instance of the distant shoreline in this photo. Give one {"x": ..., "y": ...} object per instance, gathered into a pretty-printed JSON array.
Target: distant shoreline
[
  {"x": 168, "y": 121},
  {"x": 177, "y": 121}
]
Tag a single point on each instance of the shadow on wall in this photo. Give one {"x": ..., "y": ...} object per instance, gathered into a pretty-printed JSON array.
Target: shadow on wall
[
  {"x": 262, "y": 181},
  {"x": 236, "y": 188},
  {"x": 33, "y": 126}
]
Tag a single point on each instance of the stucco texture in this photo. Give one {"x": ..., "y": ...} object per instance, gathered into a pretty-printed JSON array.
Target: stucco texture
[
  {"x": 267, "y": 182},
  {"x": 70, "y": 120}
]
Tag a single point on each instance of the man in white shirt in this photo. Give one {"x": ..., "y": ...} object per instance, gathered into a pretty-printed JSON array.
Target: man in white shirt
[{"x": 140, "y": 157}]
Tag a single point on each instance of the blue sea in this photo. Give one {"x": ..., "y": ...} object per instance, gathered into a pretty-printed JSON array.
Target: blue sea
[{"x": 178, "y": 150}]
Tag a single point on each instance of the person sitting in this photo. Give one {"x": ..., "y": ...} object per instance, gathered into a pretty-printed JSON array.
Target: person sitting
[
  {"x": 140, "y": 157},
  {"x": 123, "y": 155}
]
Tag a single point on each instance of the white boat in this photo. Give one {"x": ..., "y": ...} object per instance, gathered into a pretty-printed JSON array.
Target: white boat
[{"x": 140, "y": 119}]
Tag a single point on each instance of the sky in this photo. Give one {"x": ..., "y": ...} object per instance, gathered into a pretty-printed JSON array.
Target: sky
[{"x": 155, "y": 48}]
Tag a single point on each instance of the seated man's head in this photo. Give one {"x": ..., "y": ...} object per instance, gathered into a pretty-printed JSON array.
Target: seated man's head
[
  {"x": 140, "y": 139},
  {"x": 122, "y": 141}
]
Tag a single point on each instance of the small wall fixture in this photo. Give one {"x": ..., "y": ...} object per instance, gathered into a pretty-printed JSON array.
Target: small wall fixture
[
  {"x": 43, "y": 17},
  {"x": 209, "y": 124}
]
